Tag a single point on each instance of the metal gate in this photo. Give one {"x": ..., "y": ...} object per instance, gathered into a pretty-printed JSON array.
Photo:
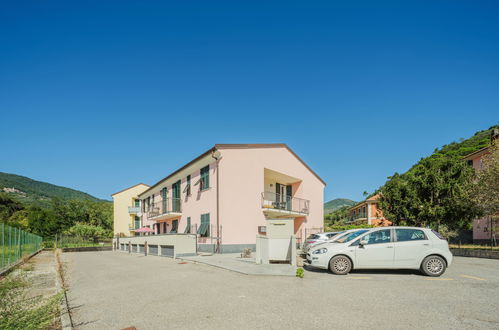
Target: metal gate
[
  {"x": 153, "y": 249},
  {"x": 167, "y": 250},
  {"x": 141, "y": 248},
  {"x": 135, "y": 248}
]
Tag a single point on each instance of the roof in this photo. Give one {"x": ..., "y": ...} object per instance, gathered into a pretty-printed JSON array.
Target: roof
[
  {"x": 268, "y": 145},
  {"x": 233, "y": 146},
  {"x": 138, "y": 184},
  {"x": 477, "y": 153},
  {"x": 370, "y": 199}
]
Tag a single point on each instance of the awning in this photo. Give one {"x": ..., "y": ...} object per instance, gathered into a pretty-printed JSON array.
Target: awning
[{"x": 144, "y": 230}]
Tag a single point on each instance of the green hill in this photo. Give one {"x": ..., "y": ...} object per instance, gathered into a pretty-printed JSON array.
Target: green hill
[
  {"x": 337, "y": 203},
  {"x": 31, "y": 191}
]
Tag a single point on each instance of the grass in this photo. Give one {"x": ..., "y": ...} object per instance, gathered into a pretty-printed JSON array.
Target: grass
[
  {"x": 474, "y": 247},
  {"x": 19, "y": 310}
]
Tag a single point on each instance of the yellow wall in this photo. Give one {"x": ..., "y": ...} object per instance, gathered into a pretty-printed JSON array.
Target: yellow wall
[{"x": 121, "y": 202}]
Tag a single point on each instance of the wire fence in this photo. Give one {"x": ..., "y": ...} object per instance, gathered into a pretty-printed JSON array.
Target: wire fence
[{"x": 16, "y": 244}]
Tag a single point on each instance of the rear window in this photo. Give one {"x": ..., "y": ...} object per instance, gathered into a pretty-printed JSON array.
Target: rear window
[
  {"x": 313, "y": 236},
  {"x": 437, "y": 234}
]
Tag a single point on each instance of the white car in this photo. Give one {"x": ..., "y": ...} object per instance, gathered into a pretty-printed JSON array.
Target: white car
[
  {"x": 384, "y": 248},
  {"x": 334, "y": 238},
  {"x": 319, "y": 238}
]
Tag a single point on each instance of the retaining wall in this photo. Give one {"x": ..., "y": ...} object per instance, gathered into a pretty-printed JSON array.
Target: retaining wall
[{"x": 489, "y": 254}]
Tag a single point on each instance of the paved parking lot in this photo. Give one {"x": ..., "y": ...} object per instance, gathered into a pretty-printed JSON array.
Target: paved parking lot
[{"x": 114, "y": 290}]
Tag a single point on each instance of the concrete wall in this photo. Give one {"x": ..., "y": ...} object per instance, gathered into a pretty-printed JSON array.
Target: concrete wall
[
  {"x": 184, "y": 244},
  {"x": 488, "y": 254},
  {"x": 121, "y": 202}
]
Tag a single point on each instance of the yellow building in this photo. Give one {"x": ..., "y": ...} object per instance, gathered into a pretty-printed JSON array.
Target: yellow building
[{"x": 127, "y": 210}]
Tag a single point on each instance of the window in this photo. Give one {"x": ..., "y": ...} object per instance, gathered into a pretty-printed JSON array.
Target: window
[
  {"x": 404, "y": 235},
  {"x": 204, "y": 181},
  {"x": 204, "y": 228},
  {"x": 188, "y": 226},
  {"x": 174, "y": 227},
  {"x": 152, "y": 203},
  {"x": 377, "y": 237},
  {"x": 137, "y": 203},
  {"x": 148, "y": 203},
  {"x": 187, "y": 188},
  {"x": 164, "y": 228}
]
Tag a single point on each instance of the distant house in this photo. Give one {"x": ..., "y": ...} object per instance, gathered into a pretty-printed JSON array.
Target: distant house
[
  {"x": 126, "y": 210},
  {"x": 368, "y": 212},
  {"x": 484, "y": 229}
]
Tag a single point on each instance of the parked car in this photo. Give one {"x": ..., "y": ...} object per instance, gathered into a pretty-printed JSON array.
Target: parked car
[
  {"x": 336, "y": 237},
  {"x": 384, "y": 248},
  {"x": 315, "y": 239}
]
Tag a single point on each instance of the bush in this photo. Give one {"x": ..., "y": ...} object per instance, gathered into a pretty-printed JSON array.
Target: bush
[
  {"x": 300, "y": 272},
  {"x": 346, "y": 227}
]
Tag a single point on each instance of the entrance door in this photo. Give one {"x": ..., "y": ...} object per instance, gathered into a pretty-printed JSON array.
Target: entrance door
[
  {"x": 283, "y": 196},
  {"x": 176, "y": 197}
]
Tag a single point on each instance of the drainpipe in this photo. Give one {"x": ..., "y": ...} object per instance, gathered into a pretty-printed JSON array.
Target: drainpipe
[{"x": 215, "y": 154}]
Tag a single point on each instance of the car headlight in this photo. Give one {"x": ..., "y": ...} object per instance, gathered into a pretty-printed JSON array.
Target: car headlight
[{"x": 320, "y": 251}]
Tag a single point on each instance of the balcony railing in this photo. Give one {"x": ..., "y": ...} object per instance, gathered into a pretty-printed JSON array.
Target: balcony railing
[
  {"x": 134, "y": 226},
  {"x": 283, "y": 203},
  {"x": 165, "y": 207},
  {"x": 133, "y": 210}
]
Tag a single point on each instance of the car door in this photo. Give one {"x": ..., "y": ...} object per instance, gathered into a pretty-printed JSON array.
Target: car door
[
  {"x": 411, "y": 245},
  {"x": 377, "y": 253}
]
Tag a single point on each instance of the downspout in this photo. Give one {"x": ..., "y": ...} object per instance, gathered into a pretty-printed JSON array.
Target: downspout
[{"x": 215, "y": 154}]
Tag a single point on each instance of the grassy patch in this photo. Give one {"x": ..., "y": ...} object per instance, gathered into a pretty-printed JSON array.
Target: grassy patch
[{"x": 19, "y": 310}]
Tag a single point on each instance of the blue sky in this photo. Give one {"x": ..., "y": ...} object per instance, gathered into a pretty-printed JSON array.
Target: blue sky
[{"x": 98, "y": 96}]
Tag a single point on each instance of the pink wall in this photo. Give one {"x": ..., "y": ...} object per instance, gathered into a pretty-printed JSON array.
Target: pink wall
[{"x": 241, "y": 185}]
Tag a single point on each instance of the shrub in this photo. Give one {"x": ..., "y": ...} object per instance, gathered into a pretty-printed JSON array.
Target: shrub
[{"x": 300, "y": 272}]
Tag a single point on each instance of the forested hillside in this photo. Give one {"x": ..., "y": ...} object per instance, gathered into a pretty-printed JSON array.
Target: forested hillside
[
  {"x": 436, "y": 191},
  {"x": 46, "y": 209},
  {"x": 336, "y": 204},
  {"x": 28, "y": 190}
]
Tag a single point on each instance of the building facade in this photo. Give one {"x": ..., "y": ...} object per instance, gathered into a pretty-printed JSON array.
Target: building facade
[
  {"x": 485, "y": 229},
  {"x": 226, "y": 195},
  {"x": 368, "y": 212},
  {"x": 126, "y": 210}
]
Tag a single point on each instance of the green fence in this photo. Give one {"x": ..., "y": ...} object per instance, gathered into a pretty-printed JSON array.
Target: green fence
[{"x": 16, "y": 244}]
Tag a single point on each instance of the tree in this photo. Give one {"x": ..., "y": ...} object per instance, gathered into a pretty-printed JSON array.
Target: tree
[
  {"x": 431, "y": 193},
  {"x": 88, "y": 231}
]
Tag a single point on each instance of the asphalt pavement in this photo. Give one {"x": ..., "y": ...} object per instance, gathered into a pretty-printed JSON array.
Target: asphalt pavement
[{"x": 115, "y": 290}]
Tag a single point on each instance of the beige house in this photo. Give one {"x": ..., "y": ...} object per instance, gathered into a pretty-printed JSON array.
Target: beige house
[{"x": 126, "y": 207}]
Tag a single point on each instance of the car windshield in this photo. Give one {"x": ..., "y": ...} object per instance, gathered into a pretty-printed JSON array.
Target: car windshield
[
  {"x": 350, "y": 236},
  {"x": 313, "y": 236}
]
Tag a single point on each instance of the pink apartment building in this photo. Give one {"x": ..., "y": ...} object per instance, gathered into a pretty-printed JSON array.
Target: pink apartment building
[{"x": 226, "y": 195}]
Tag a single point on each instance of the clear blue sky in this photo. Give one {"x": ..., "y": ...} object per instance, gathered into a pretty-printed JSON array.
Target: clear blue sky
[{"x": 98, "y": 95}]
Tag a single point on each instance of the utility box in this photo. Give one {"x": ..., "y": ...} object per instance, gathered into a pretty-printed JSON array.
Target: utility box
[{"x": 279, "y": 243}]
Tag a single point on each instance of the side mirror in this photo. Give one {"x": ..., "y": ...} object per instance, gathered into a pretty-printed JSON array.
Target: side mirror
[{"x": 363, "y": 242}]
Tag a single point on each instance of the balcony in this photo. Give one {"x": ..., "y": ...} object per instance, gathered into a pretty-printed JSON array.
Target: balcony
[
  {"x": 277, "y": 205},
  {"x": 167, "y": 209},
  {"x": 133, "y": 210}
]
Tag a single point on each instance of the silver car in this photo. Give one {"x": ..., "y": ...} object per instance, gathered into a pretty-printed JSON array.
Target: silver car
[{"x": 318, "y": 238}]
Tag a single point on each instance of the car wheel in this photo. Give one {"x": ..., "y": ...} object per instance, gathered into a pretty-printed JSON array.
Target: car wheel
[
  {"x": 433, "y": 266},
  {"x": 340, "y": 265}
]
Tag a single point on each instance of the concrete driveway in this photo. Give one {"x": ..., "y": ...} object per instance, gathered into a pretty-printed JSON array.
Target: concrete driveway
[{"x": 115, "y": 290}]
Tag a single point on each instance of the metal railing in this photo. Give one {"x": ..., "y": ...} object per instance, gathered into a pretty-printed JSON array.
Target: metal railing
[
  {"x": 275, "y": 201},
  {"x": 170, "y": 205},
  {"x": 133, "y": 210},
  {"x": 16, "y": 244}
]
